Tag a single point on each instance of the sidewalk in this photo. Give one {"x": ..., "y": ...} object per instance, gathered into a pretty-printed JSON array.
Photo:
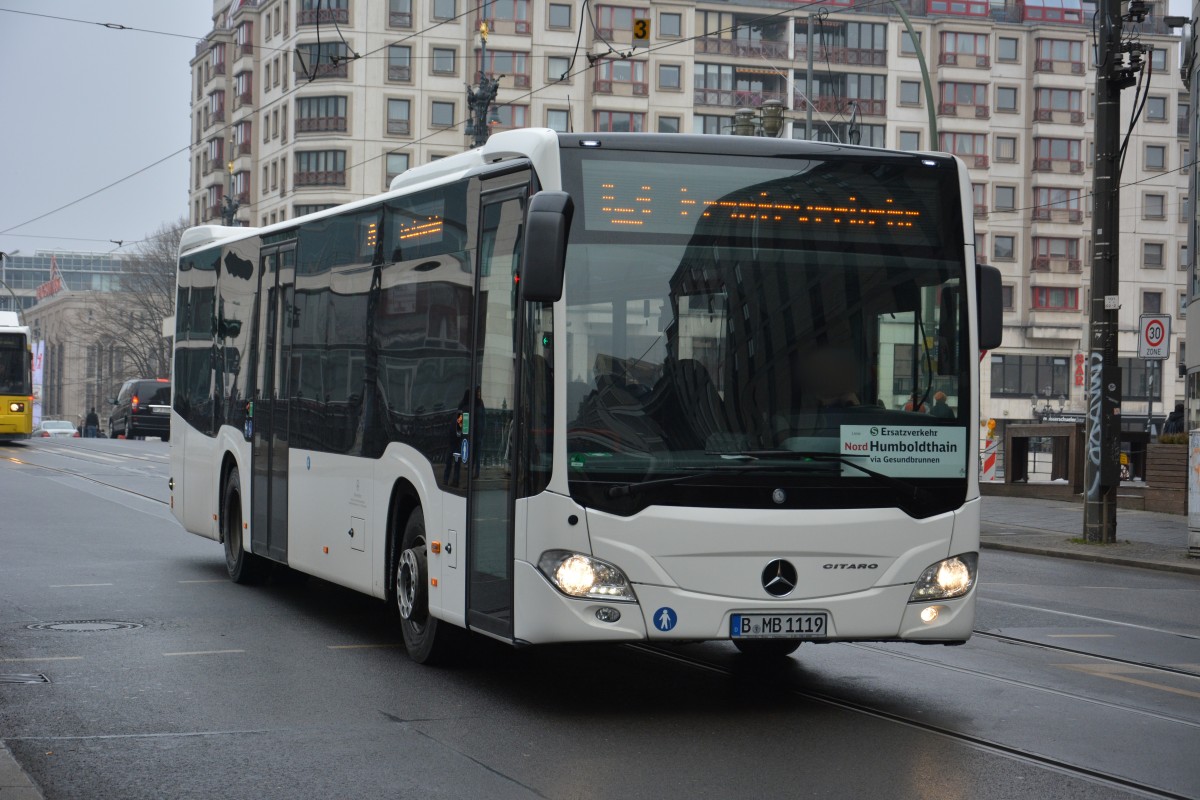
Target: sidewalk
[{"x": 1047, "y": 527}]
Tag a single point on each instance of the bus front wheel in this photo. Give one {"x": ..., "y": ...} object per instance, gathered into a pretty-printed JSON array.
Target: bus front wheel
[
  {"x": 426, "y": 638},
  {"x": 766, "y": 648},
  {"x": 243, "y": 567}
]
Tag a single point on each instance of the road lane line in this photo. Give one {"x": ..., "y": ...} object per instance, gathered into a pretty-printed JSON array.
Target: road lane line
[
  {"x": 1085, "y": 616},
  {"x": 204, "y": 652},
  {"x": 209, "y": 580},
  {"x": 359, "y": 646},
  {"x": 1114, "y": 673},
  {"x": 1080, "y": 635},
  {"x": 47, "y": 658},
  {"x": 76, "y": 585}
]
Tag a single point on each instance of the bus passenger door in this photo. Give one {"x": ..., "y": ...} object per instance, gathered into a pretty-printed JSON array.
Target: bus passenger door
[
  {"x": 489, "y": 461},
  {"x": 269, "y": 449}
]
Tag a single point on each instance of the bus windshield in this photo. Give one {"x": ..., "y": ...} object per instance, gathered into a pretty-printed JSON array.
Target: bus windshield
[{"x": 765, "y": 320}]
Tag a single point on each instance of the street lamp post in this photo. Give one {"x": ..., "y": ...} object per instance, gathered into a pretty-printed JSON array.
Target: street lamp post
[{"x": 4, "y": 257}]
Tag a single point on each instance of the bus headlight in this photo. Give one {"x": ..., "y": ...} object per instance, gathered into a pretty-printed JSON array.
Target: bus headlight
[
  {"x": 579, "y": 575},
  {"x": 16, "y": 408},
  {"x": 952, "y": 577}
]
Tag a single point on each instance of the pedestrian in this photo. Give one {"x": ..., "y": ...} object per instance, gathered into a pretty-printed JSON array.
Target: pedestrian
[
  {"x": 91, "y": 424},
  {"x": 940, "y": 409},
  {"x": 1175, "y": 423},
  {"x": 915, "y": 403}
]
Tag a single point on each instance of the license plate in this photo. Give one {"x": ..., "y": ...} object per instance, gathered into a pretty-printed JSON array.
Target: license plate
[
  {"x": 793, "y": 625},
  {"x": 162, "y": 410}
]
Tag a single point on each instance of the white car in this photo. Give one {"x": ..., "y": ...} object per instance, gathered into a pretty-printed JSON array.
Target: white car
[{"x": 55, "y": 428}]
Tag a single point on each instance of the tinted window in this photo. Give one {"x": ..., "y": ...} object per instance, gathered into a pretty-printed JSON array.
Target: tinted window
[{"x": 153, "y": 393}]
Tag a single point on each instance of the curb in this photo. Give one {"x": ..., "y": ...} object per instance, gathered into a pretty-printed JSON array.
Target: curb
[
  {"x": 1099, "y": 558},
  {"x": 14, "y": 782}
]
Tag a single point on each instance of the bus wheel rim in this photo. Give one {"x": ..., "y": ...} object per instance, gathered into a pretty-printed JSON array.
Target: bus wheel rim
[{"x": 407, "y": 581}]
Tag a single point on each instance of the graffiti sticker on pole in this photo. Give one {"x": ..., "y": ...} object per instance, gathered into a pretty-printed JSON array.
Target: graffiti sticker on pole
[{"x": 1154, "y": 336}]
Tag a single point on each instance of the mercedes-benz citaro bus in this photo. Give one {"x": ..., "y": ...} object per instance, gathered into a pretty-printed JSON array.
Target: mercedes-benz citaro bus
[
  {"x": 603, "y": 387},
  {"x": 16, "y": 378}
]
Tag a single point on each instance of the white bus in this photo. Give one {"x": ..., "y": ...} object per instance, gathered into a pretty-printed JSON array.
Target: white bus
[{"x": 603, "y": 387}]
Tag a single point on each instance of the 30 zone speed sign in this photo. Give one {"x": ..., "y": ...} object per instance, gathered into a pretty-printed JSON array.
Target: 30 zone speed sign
[{"x": 1154, "y": 336}]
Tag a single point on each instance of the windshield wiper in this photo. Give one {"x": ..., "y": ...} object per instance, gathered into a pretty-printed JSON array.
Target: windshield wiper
[
  {"x": 910, "y": 496},
  {"x": 739, "y": 467}
]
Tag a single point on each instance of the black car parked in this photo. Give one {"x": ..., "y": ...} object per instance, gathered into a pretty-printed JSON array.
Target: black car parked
[{"x": 142, "y": 408}]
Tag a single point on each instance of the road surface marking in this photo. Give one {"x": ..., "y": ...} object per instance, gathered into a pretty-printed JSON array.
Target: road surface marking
[
  {"x": 47, "y": 658},
  {"x": 204, "y": 652},
  {"x": 1093, "y": 619},
  {"x": 358, "y": 646},
  {"x": 209, "y": 580},
  {"x": 1080, "y": 635},
  {"x": 76, "y": 585},
  {"x": 1117, "y": 672}
]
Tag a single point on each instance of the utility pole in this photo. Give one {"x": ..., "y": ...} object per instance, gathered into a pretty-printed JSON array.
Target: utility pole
[
  {"x": 480, "y": 100},
  {"x": 1102, "y": 472}
]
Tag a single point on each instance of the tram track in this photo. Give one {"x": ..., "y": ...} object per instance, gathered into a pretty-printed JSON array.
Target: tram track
[
  {"x": 979, "y": 742},
  {"x": 1016, "y": 640},
  {"x": 81, "y": 476}
]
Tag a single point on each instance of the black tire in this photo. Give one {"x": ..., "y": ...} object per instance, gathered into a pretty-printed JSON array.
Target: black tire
[
  {"x": 128, "y": 429},
  {"x": 428, "y": 640},
  {"x": 243, "y": 567},
  {"x": 766, "y": 648}
]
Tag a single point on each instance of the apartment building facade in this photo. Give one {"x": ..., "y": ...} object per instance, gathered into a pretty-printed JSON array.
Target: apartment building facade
[{"x": 302, "y": 104}]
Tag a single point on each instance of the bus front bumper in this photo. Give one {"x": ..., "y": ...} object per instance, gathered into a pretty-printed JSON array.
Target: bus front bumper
[{"x": 544, "y": 615}]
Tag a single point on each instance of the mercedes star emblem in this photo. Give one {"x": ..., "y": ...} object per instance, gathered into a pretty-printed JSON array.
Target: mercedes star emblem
[{"x": 779, "y": 578}]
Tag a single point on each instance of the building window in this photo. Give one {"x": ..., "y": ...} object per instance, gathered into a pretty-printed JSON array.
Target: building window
[
  {"x": 910, "y": 140},
  {"x": 964, "y": 49},
  {"x": 1049, "y": 151},
  {"x": 1158, "y": 59},
  {"x": 320, "y": 168},
  {"x": 559, "y": 16},
  {"x": 1025, "y": 376},
  {"x": 620, "y": 121},
  {"x": 558, "y": 119},
  {"x": 979, "y": 198},
  {"x": 1052, "y": 251},
  {"x": 1006, "y": 198},
  {"x": 1006, "y": 298},
  {"x": 1154, "y": 206},
  {"x": 668, "y": 124},
  {"x": 323, "y": 60},
  {"x": 400, "y": 13},
  {"x": 621, "y": 72},
  {"x": 1156, "y": 156},
  {"x": 1068, "y": 102},
  {"x": 443, "y": 61},
  {"x": 1141, "y": 379},
  {"x": 1151, "y": 302},
  {"x": 320, "y": 114},
  {"x": 1156, "y": 109},
  {"x": 1006, "y": 148},
  {"x": 910, "y": 93},
  {"x": 441, "y": 114},
  {"x": 398, "y": 117},
  {"x": 1057, "y": 204},
  {"x": 512, "y": 116},
  {"x": 906, "y": 42},
  {"x": 395, "y": 163},
  {"x": 399, "y": 63},
  {"x": 972, "y": 147},
  {"x": 444, "y": 9},
  {"x": 1152, "y": 255},
  {"x": 1003, "y": 247},
  {"x": 1006, "y": 98},
  {"x": 962, "y": 8},
  {"x": 670, "y": 26},
  {"x": 617, "y": 18},
  {"x": 971, "y": 95},
  {"x": 708, "y": 123},
  {"x": 1055, "y": 298},
  {"x": 1060, "y": 51},
  {"x": 668, "y": 76},
  {"x": 514, "y": 64},
  {"x": 1006, "y": 49},
  {"x": 558, "y": 68},
  {"x": 1183, "y": 256}
]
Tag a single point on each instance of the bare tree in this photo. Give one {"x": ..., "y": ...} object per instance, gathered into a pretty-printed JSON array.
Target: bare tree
[{"x": 129, "y": 323}]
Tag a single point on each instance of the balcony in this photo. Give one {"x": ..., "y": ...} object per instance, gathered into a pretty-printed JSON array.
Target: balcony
[
  {"x": 212, "y": 212},
  {"x": 399, "y": 127},
  {"x": 1045, "y": 214},
  {"x": 624, "y": 88},
  {"x": 1058, "y": 165},
  {"x": 741, "y": 48},
  {"x": 1050, "y": 65},
  {"x": 951, "y": 110},
  {"x": 322, "y": 16},
  {"x": 338, "y": 70},
  {"x": 964, "y": 60},
  {"x": 736, "y": 98},
  {"x": 517, "y": 27},
  {"x": 320, "y": 124},
  {"x": 981, "y": 162},
  {"x": 844, "y": 55},
  {"x": 243, "y": 149},
  {"x": 400, "y": 19},
  {"x": 245, "y": 98},
  {"x": 400, "y": 73},
  {"x": 1056, "y": 264},
  {"x": 836, "y": 104},
  {"x": 524, "y": 82},
  {"x": 1181, "y": 126},
  {"x": 320, "y": 178},
  {"x": 981, "y": 209}
]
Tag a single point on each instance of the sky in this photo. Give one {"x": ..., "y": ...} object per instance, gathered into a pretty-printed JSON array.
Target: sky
[{"x": 85, "y": 106}]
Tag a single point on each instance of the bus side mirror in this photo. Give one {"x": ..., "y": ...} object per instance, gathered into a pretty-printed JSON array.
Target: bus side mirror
[
  {"x": 988, "y": 292},
  {"x": 546, "y": 225}
]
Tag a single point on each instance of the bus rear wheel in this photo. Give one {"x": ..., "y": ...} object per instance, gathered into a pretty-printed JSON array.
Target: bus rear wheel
[
  {"x": 427, "y": 639},
  {"x": 243, "y": 567},
  {"x": 766, "y": 648}
]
